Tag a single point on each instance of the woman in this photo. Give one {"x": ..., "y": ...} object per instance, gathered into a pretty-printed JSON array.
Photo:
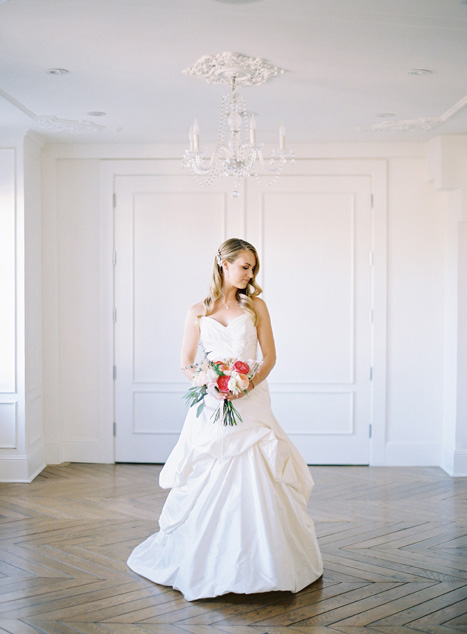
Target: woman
[{"x": 235, "y": 519}]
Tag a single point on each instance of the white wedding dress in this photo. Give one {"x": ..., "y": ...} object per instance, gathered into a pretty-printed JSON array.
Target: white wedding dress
[{"x": 236, "y": 518}]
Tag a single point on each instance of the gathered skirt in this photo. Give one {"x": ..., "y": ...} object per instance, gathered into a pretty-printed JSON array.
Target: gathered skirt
[{"x": 236, "y": 517}]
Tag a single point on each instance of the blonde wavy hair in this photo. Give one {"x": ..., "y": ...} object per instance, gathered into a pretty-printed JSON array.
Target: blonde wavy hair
[{"x": 230, "y": 250}]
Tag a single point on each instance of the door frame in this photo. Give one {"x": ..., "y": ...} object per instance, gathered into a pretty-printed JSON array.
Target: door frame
[{"x": 376, "y": 169}]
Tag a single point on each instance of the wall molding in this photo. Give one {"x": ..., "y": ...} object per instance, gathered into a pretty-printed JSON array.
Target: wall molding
[
  {"x": 447, "y": 160},
  {"x": 82, "y": 451},
  {"x": 302, "y": 151},
  {"x": 454, "y": 462},
  {"x": 53, "y": 453},
  {"x": 22, "y": 468}
]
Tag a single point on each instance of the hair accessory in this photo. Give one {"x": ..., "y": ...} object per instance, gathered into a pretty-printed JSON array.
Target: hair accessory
[{"x": 218, "y": 258}]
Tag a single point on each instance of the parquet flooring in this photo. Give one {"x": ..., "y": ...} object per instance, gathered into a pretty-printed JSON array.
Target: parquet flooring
[{"x": 393, "y": 543}]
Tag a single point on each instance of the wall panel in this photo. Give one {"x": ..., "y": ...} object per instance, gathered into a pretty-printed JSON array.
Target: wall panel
[{"x": 7, "y": 270}]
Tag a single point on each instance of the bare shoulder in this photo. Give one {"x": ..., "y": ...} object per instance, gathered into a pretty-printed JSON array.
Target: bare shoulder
[
  {"x": 194, "y": 311},
  {"x": 197, "y": 309},
  {"x": 260, "y": 307}
]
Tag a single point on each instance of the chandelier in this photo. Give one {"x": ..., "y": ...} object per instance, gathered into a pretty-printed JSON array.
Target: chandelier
[{"x": 237, "y": 153}]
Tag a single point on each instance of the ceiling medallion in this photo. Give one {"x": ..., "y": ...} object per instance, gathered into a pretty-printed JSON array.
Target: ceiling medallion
[
  {"x": 221, "y": 68},
  {"x": 408, "y": 125},
  {"x": 49, "y": 122},
  {"x": 238, "y": 154}
]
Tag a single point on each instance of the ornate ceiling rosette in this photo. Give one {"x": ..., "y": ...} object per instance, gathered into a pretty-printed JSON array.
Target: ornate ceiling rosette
[{"x": 223, "y": 67}]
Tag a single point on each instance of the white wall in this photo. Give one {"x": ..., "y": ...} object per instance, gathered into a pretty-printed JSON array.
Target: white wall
[
  {"x": 448, "y": 170},
  {"x": 21, "y": 424},
  {"x": 415, "y": 315},
  {"x": 71, "y": 317},
  {"x": 12, "y": 445},
  {"x": 35, "y": 445},
  {"x": 416, "y": 243}
]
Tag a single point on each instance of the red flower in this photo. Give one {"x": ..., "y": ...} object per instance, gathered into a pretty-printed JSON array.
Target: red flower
[
  {"x": 222, "y": 383},
  {"x": 242, "y": 368}
]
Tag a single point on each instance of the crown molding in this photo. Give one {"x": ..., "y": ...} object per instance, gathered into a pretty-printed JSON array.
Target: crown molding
[{"x": 422, "y": 123}]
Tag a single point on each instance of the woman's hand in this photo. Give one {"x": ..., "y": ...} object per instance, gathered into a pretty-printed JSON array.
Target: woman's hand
[
  {"x": 233, "y": 397},
  {"x": 220, "y": 396}
]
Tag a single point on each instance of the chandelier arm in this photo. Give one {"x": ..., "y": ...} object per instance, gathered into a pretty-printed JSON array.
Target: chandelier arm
[
  {"x": 199, "y": 163},
  {"x": 272, "y": 167},
  {"x": 222, "y": 150}
]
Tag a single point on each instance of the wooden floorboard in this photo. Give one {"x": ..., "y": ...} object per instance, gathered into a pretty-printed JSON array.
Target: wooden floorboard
[{"x": 393, "y": 540}]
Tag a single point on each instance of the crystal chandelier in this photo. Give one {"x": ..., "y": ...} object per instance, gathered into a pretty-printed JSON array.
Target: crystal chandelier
[{"x": 237, "y": 152}]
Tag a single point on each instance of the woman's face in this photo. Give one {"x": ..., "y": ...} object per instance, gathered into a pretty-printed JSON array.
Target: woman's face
[{"x": 240, "y": 271}]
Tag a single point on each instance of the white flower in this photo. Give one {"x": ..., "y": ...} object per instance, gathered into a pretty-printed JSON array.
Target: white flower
[
  {"x": 199, "y": 379},
  {"x": 233, "y": 385},
  {"x": 211, "y": 375}
]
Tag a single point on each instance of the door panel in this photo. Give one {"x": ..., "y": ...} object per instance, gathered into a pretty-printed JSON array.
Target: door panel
[
  {"x": 166, "y": 235},
  {"x": 313, "y": 233}
]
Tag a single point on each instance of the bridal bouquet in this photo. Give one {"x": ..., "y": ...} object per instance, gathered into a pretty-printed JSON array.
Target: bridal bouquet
[{"x": 214, "y": 377}]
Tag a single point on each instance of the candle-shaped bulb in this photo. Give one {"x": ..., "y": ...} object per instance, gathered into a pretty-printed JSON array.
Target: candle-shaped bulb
[
  {"x": 196, "y": 135},
  {"x": 252, "y": 130},
  {"x": 282, "y": 136},
  {"x": 190, "y": 136}
]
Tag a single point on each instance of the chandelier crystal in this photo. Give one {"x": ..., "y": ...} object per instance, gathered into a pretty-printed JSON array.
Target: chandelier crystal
[{"x": 237, "y": 153}]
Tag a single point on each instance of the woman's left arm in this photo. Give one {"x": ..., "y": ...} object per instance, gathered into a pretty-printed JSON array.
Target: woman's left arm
[{"x": 266, "y": 341}]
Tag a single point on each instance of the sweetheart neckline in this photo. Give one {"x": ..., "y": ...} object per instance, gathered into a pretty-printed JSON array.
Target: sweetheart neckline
[{"x": 222, "y": 325}]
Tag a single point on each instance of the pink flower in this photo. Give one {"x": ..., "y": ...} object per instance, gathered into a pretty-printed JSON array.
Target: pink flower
[
  {"x": 242, "y": 381},
  {"x": 223, "y": 383},
  {"x": 238, "y": 382},
  {"x": 241, "y": 367}
]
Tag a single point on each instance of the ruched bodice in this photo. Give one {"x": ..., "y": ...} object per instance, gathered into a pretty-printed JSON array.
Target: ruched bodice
[{"x": 238, "y": 340}]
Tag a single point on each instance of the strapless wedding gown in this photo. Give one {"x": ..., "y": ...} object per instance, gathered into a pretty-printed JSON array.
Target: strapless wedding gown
[{"x": 235, "y": 519}]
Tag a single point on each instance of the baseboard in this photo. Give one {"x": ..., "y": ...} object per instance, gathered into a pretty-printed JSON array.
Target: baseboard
[
  {"x": 19, "y": 468},
  {"x": 454, "y": 462},
  {"x": 36, "y": 460},
  {"x": 75, "y": 451},
  {"x": 399, "y": 454},
  {"x": 53, "y": 454}
]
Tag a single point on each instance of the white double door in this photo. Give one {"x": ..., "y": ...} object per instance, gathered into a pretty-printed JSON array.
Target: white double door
[{"x": 313, "y": 233}]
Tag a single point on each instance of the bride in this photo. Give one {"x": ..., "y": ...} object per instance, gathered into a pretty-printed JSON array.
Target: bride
[{"x": 235, "y": 519}]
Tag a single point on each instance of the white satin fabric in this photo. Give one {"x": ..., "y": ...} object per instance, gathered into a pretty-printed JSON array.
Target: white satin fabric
[{"x": 235, "y": 519}]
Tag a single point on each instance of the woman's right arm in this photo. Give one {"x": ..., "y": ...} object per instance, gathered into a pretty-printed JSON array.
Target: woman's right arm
[{"x": 190, "y": 341}]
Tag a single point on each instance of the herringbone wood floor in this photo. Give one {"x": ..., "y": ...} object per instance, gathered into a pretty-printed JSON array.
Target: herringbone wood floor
[{"x": 392, "y": 541}]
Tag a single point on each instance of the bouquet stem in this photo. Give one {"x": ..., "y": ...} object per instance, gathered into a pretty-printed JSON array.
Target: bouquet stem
[{"x": 230, "y": 415}]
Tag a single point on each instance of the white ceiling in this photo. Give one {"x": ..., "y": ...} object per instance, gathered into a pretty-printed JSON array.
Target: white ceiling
[{"x": 347, "y": 61}]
